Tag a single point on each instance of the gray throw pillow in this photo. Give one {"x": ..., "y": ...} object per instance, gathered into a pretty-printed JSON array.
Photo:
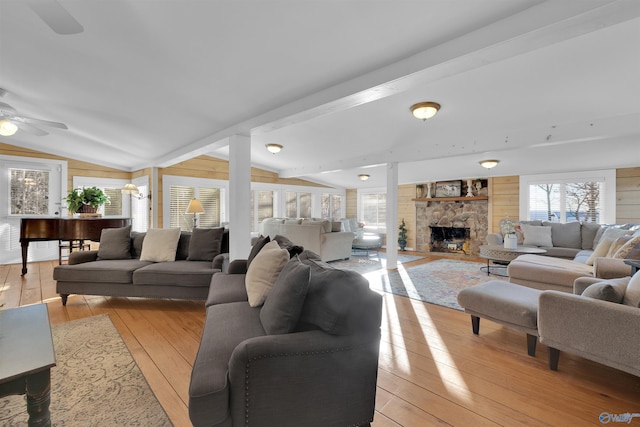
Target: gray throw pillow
[
  {"x": 259, "y": 244},
  {"x": 609, "y": 290},
  {"x": 115, "y": 243},
  {"x": 287, "y": 244},
  {"x": 205, "y": 244},
  {"x": 281, "y": 310}
]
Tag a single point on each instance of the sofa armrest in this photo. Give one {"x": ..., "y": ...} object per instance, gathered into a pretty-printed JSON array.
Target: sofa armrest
[
  {"x": 582, "y": 283},
  {"x": 597, "y": 330},
  {"x": 610, "y": 268},
  {"x": 306, "y": 376},
  {"x": 237, "y": 266},
  {"x": 221, "y": 262},
  {"x": 82, "y": 257},
  {"x": 495, "y": 239}
]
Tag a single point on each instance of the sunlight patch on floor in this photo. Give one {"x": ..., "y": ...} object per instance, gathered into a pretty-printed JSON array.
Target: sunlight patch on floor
[
  {"x": 395, "y": 336},
  {"x": 449, "y": 373}
]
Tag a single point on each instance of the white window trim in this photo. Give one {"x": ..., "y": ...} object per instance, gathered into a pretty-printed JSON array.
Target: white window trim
[{"x": 608, "y": 199}]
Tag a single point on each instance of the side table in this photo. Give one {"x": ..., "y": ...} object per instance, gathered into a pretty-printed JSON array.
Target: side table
[{"x": 27, "y": 358}]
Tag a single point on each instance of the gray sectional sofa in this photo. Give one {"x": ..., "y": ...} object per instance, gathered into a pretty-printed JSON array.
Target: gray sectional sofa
[
  {"x": 307, "y": 357},
  {"x": 571, "y": 253},
  {"x": 116, "y": 269}
]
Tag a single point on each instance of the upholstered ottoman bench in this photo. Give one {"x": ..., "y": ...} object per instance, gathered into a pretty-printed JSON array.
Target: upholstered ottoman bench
[{"x": 508, "y": 304}]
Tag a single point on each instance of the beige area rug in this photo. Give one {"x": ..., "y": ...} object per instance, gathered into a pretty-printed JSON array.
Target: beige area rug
[{"x": 96, "y": 382}]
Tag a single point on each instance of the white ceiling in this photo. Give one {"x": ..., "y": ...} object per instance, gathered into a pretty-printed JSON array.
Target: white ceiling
[{"x": 543, "y": 86}]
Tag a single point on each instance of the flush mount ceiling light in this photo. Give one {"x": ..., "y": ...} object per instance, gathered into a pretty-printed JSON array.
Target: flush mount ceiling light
[
  {"x": 489, "y": 163},
  {"x": 7, "y": 128},
  {"x": 425, "y": 110},
  {"x": 274, "y": 148},
  {"x": 363, "y": 177}
]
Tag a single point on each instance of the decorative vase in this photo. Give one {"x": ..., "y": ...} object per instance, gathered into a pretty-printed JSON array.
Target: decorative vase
[
  {"x": 428, "y": 190},
  {"x": 469, "y": 188},
  {"x": 403, "y": 244},
  {"x": 510, "y": 241}
]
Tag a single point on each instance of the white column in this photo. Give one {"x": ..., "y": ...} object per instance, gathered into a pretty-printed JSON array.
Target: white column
[
  {"x": 392, "y": 215},
  {"x": 239, "y": 197}
]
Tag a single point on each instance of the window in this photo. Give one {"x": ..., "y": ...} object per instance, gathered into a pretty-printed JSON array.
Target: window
[
  {"x": 373, "y": 209},
  {"x": 569, "y": 197},
  {"x": 297, "y": 204},
  {"x": 262, "y": 203},
  {"x": 181, "y": 190},
  {"x": 331, "y": 205},
  {"x": 29, "y": 192}
]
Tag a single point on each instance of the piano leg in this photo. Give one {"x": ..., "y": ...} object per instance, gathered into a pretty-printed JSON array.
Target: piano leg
[{"x": 25, "y": 249}]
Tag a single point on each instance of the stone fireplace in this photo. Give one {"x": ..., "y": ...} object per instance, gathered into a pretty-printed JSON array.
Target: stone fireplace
[{"x": 458, "y": 226}]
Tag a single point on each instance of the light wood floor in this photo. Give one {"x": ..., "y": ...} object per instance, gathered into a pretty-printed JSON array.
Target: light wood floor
[{"x": 433, "y": 370}]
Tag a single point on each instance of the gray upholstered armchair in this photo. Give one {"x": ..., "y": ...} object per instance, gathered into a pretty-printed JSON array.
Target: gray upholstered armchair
[{"x": 600, "y": 322}]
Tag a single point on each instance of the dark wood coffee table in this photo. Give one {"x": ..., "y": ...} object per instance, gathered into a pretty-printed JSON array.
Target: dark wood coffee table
[{"x": 27, "y": 358}]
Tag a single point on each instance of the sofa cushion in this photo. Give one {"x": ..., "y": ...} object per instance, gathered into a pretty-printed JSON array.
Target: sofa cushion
[
  {"x": 182, "y": 251},
  {"x": 160, "y": 245},
  {"x": 226, "y": 326},
  {"x": 263, "y": 272},
  {"x": 326, "y": 225},
  {"x": 565, "y": 235},
  {"x": 257, "y": 246},
  {"x": 106, "y": 271},
  {"x": 536, "y": 235},
  {"x": 332, "y": 299},
  {"x": 632, "y": 295},
  {"x": 137, "y": 239},
  {"x": 177, "y": 273},
  {"x": 282, "y": 308},
  {"x": 287, "y": 244},
  {"x": 115, "y": 243},
  {"x": 612, "y": 290},
  {"x": 588, "y": 233},
  {"x": 601, "y": 250},
  {"x": 205, "y": 244},
  {"x": 617, "y": 244}
]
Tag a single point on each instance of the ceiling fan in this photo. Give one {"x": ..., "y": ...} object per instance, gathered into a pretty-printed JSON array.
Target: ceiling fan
[
  {"x": 55, "y": 16},
  {"x": 10, "y": 121}
]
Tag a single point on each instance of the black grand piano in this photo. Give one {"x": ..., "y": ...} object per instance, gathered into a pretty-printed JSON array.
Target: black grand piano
[{"x": 41, "y": 229}]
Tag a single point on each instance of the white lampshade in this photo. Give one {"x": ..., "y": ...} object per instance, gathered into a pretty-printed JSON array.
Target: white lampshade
[
  {"x": 425, "y": 110},
  {"x": 130, "y": 189},
  {"x": 7, "y": 128},
  {"x": 195, "y": 207}
]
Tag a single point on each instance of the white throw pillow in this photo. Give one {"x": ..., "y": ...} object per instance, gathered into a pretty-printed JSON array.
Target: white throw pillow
[
  {"x": 626, "y": 249},
  {"x": 160, "y": 244},
  {"x": 536, "y": 235},
  {"x": 263, "y": 272},
  {"x": 601, "y": 250}
]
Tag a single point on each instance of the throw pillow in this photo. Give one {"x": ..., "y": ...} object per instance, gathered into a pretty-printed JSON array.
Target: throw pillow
[
  {"x": 257, "y": 246},
  {"x": 617, "y": 244},
  {"x": 160, "y": 244},
  {"x": 601, "y": 250},
  {"x": 263, "y": 272},
  {"x": 205, "y": 244},
  {"x": 565, "y": 235},
  {"x": 536, "y": 235},
  {"x": 283, "y": 306},
  {"x": 632, "y": 295},
  {"x": 115, "y": 243},
  {"x": 609, "y": 290},
  {"x": 626, "y": 249}
]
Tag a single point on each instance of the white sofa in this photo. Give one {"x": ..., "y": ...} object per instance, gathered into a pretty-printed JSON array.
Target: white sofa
[{"x": 313, "y": 235}]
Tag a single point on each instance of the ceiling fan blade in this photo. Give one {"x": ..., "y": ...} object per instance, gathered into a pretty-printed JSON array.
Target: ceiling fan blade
[
  {"x": 30, "y": 120},
  {"x": 30, "y": 128},
  {"x": 56, "y": 16}
]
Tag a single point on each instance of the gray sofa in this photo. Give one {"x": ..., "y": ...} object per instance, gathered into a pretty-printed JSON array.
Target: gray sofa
[
  {"x": 570, "y": 255},
  {"x": 319, "y": 236},
  {"x": 600, "y": 322},
  {"x": 116, "y": 269},
  {"x": 319, "y": 368}
]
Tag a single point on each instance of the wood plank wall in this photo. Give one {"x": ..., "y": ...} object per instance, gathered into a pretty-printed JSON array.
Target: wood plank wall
[{"x": 628, "y": 195}]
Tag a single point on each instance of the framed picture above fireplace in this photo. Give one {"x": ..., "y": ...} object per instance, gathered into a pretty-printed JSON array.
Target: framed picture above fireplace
[{"x": 448, "y": 188}]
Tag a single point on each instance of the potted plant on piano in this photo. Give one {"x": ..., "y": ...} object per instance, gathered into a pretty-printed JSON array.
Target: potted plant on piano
[{"x": 86, "y": 200}]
